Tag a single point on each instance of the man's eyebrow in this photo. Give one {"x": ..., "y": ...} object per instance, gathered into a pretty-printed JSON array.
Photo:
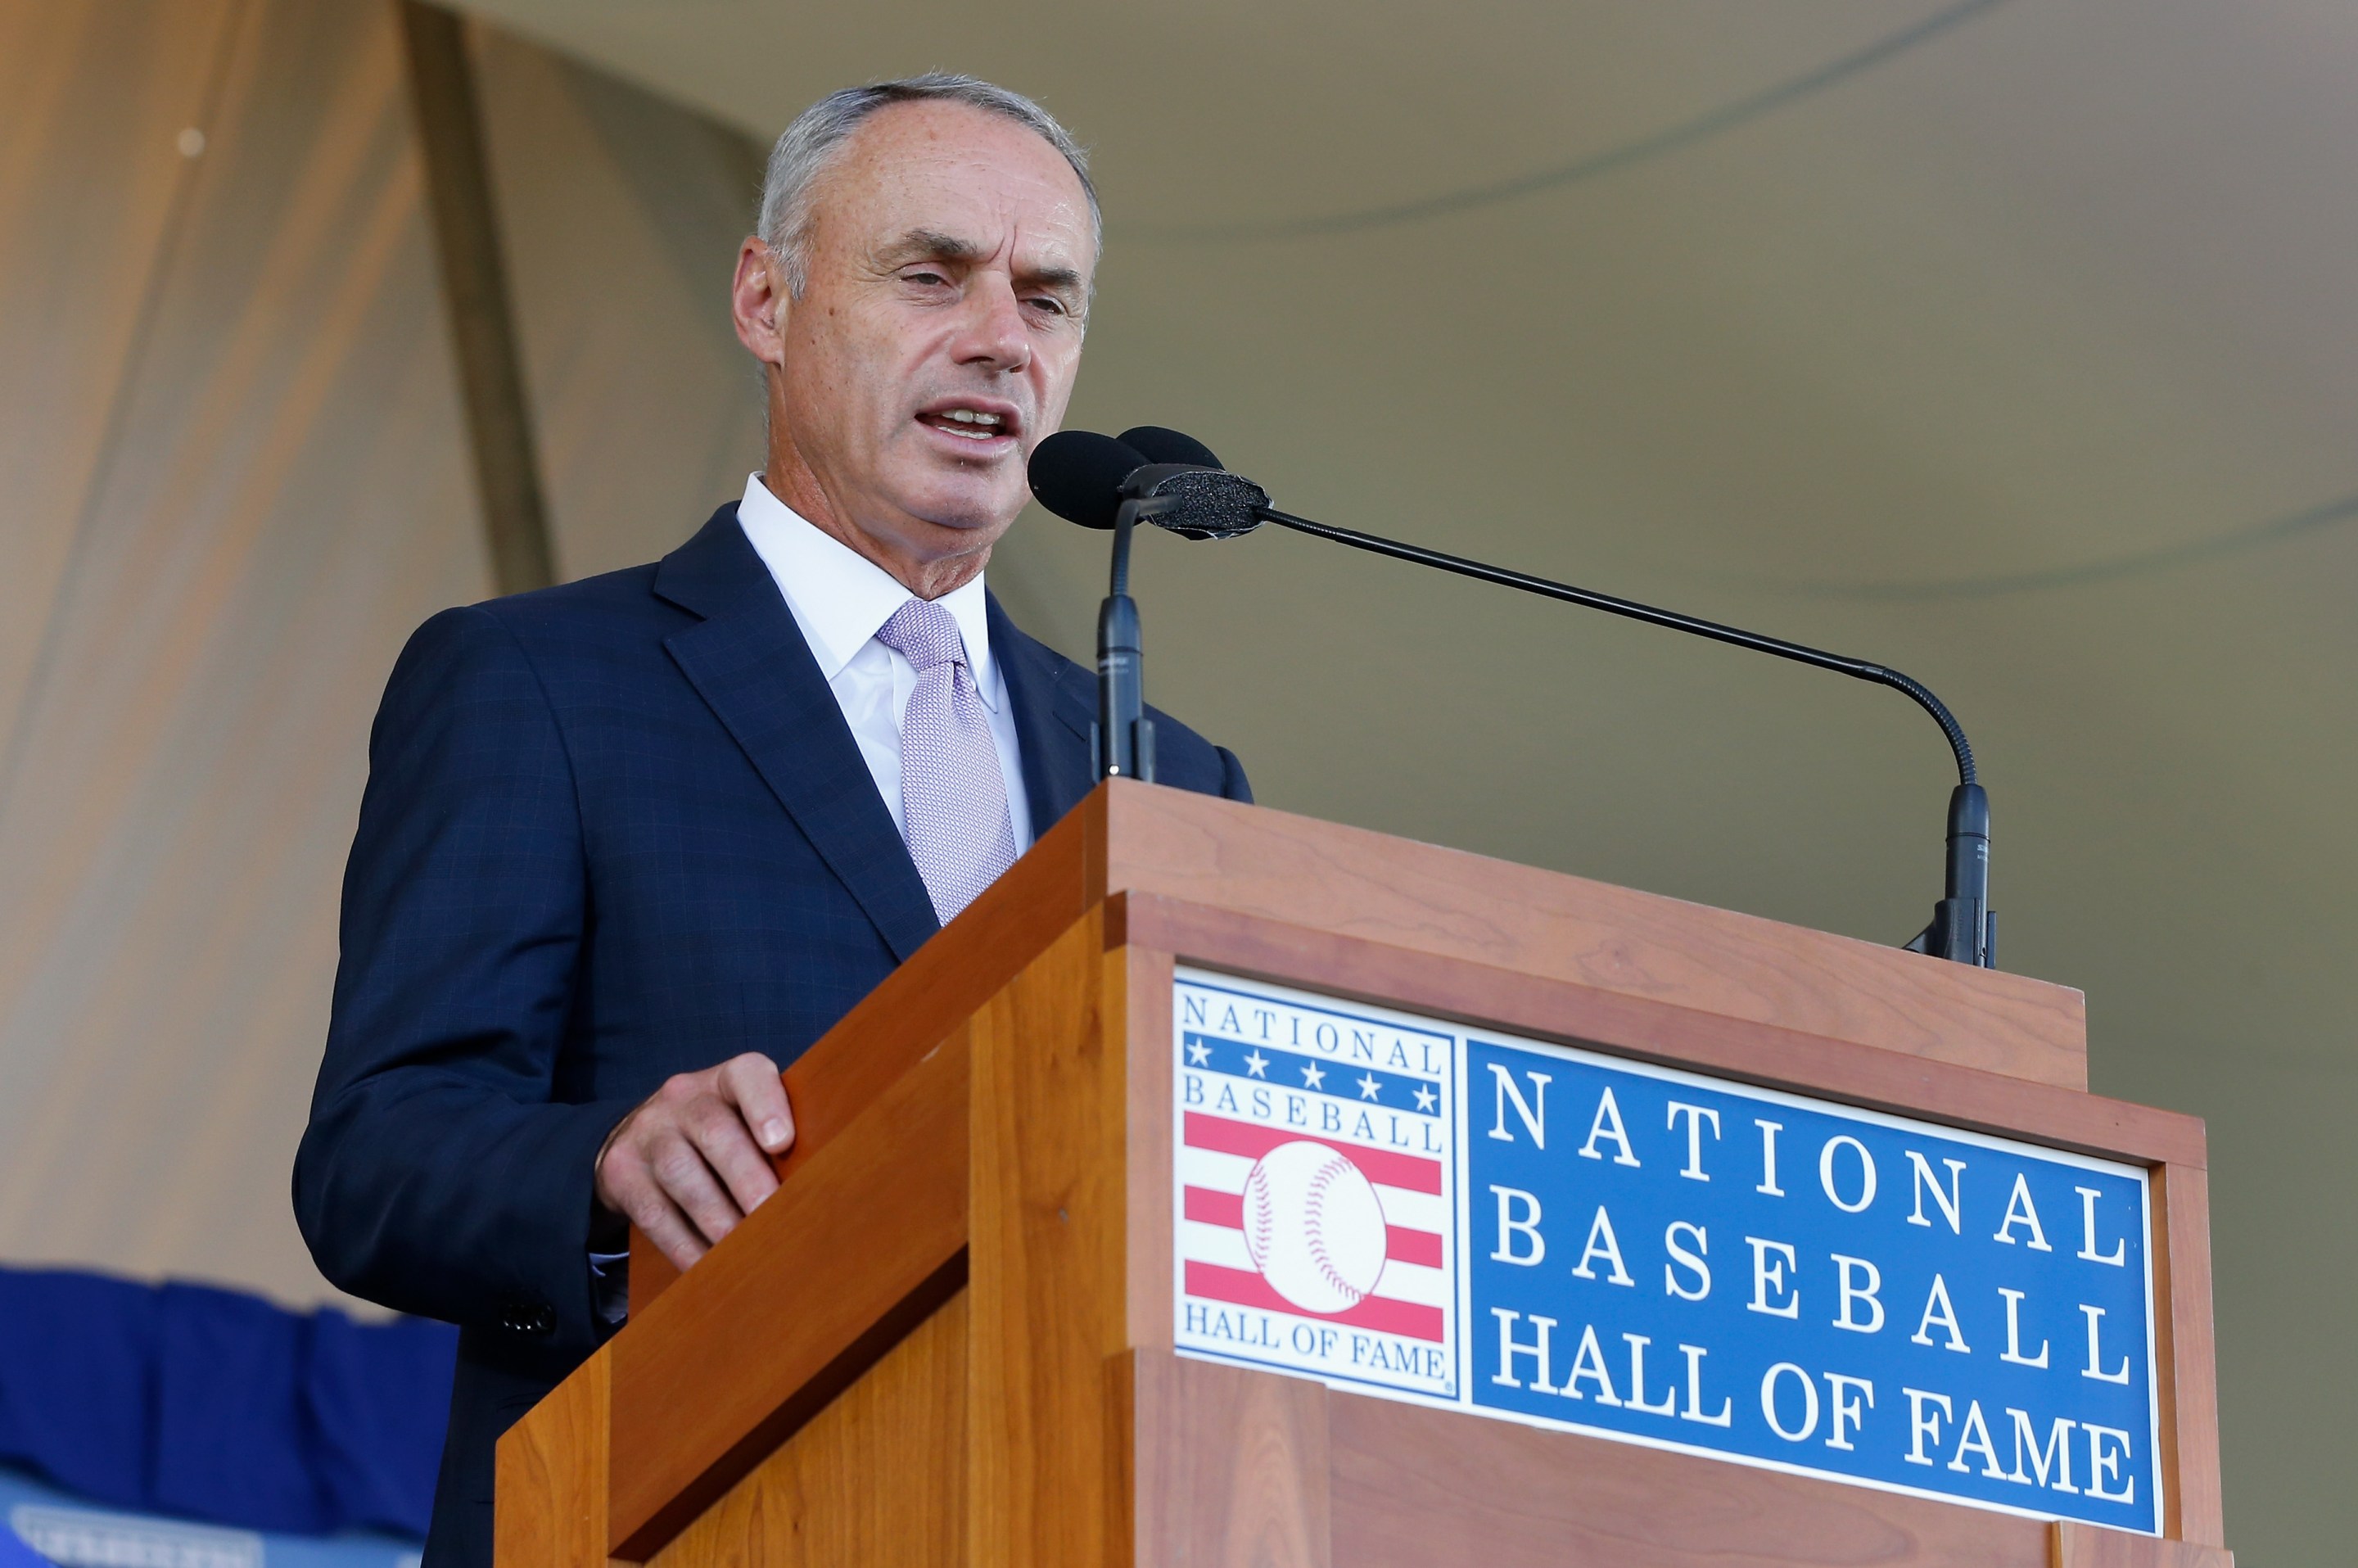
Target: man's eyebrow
[
  {"x": 931, "y": 245},
  {"x": 928, "y": 245},
  {"x": 1062, "y": 279}
]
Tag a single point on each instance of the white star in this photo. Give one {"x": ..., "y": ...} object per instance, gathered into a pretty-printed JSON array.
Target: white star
[
  {"x": 1370, "y": 1088},
  {"x": 1425, "y": 1098},
  {"x": 1257, "y": 1064},
  {"x": 1313, "y": 1076},
  {"x": 1199, "y": 1053}
]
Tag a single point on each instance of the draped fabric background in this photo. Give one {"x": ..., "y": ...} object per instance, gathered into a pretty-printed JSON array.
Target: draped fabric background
[
  {"x": 2013, "y": 344},
  {"x": 233, "y": 463},
  {"x": 235, "y": 478}
]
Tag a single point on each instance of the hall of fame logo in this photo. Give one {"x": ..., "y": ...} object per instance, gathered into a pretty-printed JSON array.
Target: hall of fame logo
[{"x": 1317, "y": 1205}]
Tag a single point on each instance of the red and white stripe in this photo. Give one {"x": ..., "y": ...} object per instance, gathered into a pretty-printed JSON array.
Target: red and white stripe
[{"x": 1412, "y": 1295}]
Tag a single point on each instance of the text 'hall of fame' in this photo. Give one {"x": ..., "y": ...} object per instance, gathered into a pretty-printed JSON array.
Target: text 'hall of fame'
[{"x": 1564, "y": 1238}]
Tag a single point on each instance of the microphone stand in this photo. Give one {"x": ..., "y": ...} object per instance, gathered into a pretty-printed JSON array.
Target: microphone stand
[
  {"x": 1964, "y": 928},
  {"x": 1121, "y": 741}
]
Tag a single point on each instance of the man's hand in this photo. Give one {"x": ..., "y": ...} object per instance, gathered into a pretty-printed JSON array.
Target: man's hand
[{"x": 694, "y": 1159}]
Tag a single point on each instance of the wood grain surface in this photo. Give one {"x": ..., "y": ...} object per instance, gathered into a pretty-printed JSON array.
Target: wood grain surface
[
  {"x": 1443, "y": 1490},
  {"x": 863, "y": 1243},
  {"x": 1238, "y": 1467},
  {"x": 1009, "y": 1088},
  {"x": 2089, "y": 1546},
  {"x": 1437, "y": 1490},
  {"x": 2168, "y": 1144},
  {"x": 1548, "y": 948},
  {"x": 1349, "y": 882},
  {"x": 2187, "y": 1346},
  {"x": 1048, "y": 1252},
  {"x": 1147, "y": 981},
  {"x": 877, "y": 1477},
  {"x": 1675, "y": 1033},
  {"x": 1229, "y": 1467},
  {"x": 916, "y": 1007},
  {"x": 553, "y": 1470}
]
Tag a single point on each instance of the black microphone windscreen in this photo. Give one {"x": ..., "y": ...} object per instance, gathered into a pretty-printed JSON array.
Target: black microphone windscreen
[
  {"x": 1162, "y": 446},
  {"x": 1077, "y": 475}
]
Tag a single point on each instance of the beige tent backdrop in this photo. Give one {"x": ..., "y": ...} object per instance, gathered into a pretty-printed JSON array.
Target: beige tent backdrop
[{"x": 2012, "y": 343}]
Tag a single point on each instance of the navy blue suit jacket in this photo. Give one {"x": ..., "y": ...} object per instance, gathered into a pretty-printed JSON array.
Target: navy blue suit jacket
[{"x": 613, "y": 831}]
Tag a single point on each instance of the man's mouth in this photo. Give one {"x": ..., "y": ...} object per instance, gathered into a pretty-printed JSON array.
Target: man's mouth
[{"x": 971, "y": 422}]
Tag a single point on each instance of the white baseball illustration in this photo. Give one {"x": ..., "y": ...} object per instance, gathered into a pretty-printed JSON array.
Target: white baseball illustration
[{"x": 1314, "y": 1226}]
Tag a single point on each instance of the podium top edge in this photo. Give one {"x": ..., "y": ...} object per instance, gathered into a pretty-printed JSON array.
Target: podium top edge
[{"x": 1456, "y": 904}]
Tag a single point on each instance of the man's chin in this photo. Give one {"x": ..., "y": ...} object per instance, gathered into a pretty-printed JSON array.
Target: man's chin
[{"x": 983, "y": 514}]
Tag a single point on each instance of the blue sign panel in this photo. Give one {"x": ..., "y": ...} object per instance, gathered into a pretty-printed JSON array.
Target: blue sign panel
[
  {"x": 1695, "y": 1262},
  {"x": 1662, "y": 1258}
]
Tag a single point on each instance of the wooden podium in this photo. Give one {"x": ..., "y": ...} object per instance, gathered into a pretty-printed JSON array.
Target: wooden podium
[{"x": 948, "y": 1339}]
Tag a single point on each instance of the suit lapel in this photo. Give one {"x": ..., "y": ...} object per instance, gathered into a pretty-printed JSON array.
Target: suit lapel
[
  {"x": 1055, "y": 702},
  {"x": 748, "y": 661}
]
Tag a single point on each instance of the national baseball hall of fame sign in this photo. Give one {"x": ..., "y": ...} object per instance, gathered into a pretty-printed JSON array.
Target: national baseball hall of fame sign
[{"x": 1421, "y": 1211}]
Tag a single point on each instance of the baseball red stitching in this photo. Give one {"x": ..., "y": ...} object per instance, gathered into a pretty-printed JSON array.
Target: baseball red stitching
[
  {"x": 1333, "y": 1167},
  {"x": 1257, "y": 1187}
]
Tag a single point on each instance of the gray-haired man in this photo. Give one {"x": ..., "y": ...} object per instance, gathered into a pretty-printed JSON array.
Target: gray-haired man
[{"x": 631, "y": 843}]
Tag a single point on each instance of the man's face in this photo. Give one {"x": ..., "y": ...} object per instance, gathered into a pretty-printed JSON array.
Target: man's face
[{"x": 939, "y": 330}]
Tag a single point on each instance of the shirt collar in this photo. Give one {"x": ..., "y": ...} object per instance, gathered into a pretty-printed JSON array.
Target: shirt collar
[{"x": 840, "y": 598}]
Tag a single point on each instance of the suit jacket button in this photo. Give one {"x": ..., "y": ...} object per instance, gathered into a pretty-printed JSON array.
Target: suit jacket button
[{"x": 523, "y": 1314}]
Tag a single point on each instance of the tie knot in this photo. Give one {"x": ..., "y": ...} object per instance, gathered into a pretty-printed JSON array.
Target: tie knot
[{"x": 925, "y": 634}]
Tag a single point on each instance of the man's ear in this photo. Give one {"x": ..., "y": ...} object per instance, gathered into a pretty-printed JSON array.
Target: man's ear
[{"x": 759, "y": 303}]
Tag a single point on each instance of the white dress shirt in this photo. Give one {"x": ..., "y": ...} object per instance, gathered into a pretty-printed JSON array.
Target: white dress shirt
[{"x": 839, "y": 598}]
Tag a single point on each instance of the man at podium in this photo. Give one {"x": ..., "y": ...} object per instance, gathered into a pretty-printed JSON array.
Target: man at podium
[{"x": 632, "y": 844}]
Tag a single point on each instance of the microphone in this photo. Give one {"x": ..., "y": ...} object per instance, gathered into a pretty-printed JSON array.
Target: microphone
[
  {"x": 1102, "y": 482},
  {"x": 1207, "y": 501},
  {"x": 1083, "y": 477},
  {"x": 1079, "y": 475},
  {"x": 1964, "y": 928},
  {"x": 1160, "y": 444}
]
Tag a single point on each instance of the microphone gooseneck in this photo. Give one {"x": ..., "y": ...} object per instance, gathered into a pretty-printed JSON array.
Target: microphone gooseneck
[
  {"x": 1881, "y": 674},
  {"x": 1175, "y": 481},
  {"x": 1964, "y": 927}
]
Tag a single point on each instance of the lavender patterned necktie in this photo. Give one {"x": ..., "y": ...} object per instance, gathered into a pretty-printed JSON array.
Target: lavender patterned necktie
[{"x": 953, "y": 796}]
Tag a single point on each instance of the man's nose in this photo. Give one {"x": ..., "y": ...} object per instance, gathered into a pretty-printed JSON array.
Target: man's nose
[{"x": 994, "y": 333}]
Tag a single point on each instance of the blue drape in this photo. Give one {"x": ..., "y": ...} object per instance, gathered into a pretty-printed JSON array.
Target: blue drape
[{"x": 214, "y": 1404}]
